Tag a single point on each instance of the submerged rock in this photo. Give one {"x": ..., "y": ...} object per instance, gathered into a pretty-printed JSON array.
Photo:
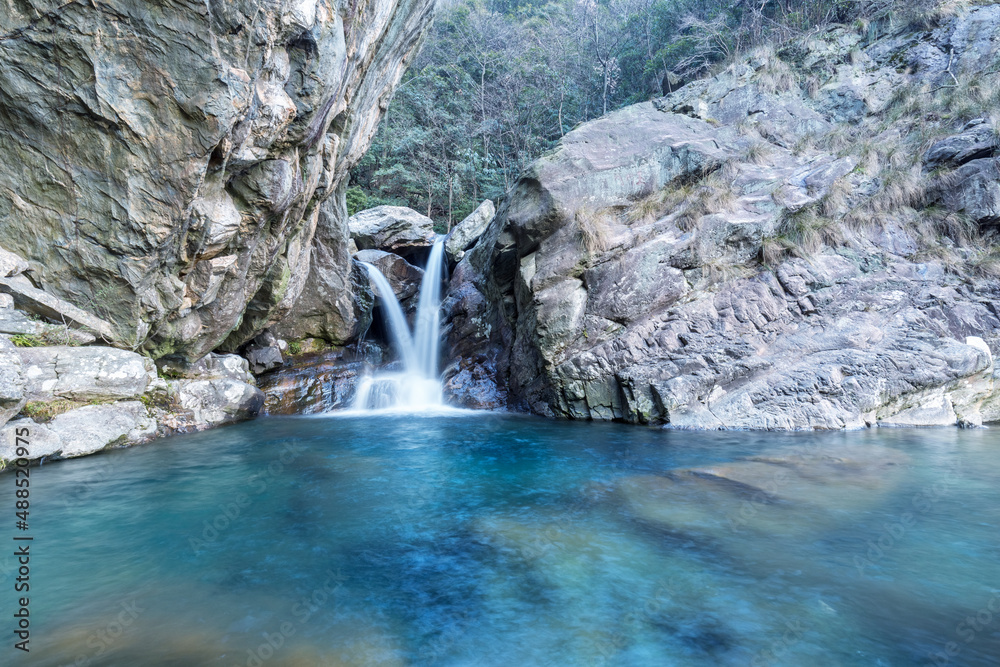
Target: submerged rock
[{"x": 789, "y": 493}]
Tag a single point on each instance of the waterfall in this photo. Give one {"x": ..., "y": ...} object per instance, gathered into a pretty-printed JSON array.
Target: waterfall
[{"x": 418, "y": 385}]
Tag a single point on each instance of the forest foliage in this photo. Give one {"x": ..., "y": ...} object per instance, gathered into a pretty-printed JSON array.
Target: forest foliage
[{"x": 498, "y": 82}]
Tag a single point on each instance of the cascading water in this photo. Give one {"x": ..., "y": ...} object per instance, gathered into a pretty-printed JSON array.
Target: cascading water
[{"x": 418, "y": 386}]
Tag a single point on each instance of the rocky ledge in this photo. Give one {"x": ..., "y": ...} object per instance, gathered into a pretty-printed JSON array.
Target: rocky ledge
[
  {"x": 67, "y": 397},
  {"x": 803, "y": 241}
]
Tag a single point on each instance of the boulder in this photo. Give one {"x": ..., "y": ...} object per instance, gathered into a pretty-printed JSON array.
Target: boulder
[
  {"x": 85, "y": 373},
  {"x": 56, "y": 310},
  {"x": 466, "y": 233},
  {"x": 92, "y": 428},
  {"x": 11, "y": 264},
  {"x": 201, "y": 404},
  {"x": 263, "y": 353},
  {"x": 395, "y": 229},
  {"x": 402, "y": 276},
  {"x": 210, "y": 367},
  {"x": 12, "y": 382}
]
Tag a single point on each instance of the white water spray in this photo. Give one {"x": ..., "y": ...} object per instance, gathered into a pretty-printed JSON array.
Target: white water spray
[{"x": 418, "y": 385}]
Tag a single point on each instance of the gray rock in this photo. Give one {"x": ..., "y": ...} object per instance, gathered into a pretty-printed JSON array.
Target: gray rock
[
  {"x": 466, "y": 233},
  {"x": 318, "y": 382},
  {"x": 395, "y": 229},
  {"x": 977, "y": 140},
  {"x": 85, "y": 373},
  {"x": 92, "y": 428},
  {"x": 263, "y": 353},
  {"x": 40, "y": 441},
  {"x": 210, "y": 367},
  {"x": 12, "y": 382},
  {"x": 33, "y": 300},
  {"x": 6, "y": 302},
  {"x": 402, "y": 276},
  {"x": 336, "y": 301},
  {"x": 650, "y": 268},
  {"x": 972, "y": 189},
  {"x": 187, "y": 225},
  {"x": 201, "y": 404},
  {"x": 11, "y": 264},
  {"x": 13, "y": 321}
]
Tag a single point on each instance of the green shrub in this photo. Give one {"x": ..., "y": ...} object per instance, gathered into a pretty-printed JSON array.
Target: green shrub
[{"x": 357, "y": 200}]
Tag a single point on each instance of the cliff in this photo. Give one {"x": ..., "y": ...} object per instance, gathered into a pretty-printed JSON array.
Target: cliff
[
  {"x": 805, "y": 240},
  {"x": 166, "y": 166}
]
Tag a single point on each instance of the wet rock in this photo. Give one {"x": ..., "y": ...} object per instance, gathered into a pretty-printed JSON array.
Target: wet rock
[
  {"x": 12, "y": 381},
  {"x": 395, "y": 229},
  {"x": 466, "y": 233},
  {"x": 318, "y": 382},
  {"x": 85, "y": 373},
  {"x": 402, "y": 276}
]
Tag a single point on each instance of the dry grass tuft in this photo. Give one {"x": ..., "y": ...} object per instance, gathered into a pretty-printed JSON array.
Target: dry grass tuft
[{"x": 594, "y": 229}]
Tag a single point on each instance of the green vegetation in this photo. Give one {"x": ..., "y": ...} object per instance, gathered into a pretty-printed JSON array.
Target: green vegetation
[
  {"x": 499, "y": 82},
  {"x": 27, "y": 340}
]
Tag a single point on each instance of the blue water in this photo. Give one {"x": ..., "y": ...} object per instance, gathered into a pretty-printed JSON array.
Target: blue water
[{"x": 505, "y": 540}]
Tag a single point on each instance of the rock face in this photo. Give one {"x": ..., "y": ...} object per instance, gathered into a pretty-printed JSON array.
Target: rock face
[
  {"x": 467, "y": 232},
  {"x": 336, "y": 301},
  {"x": 724, "y": 258},
  {"x": 177, "y": 195}
]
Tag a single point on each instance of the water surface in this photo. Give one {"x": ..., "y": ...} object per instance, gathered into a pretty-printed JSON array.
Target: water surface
[{"x": 505, "y": 540}]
